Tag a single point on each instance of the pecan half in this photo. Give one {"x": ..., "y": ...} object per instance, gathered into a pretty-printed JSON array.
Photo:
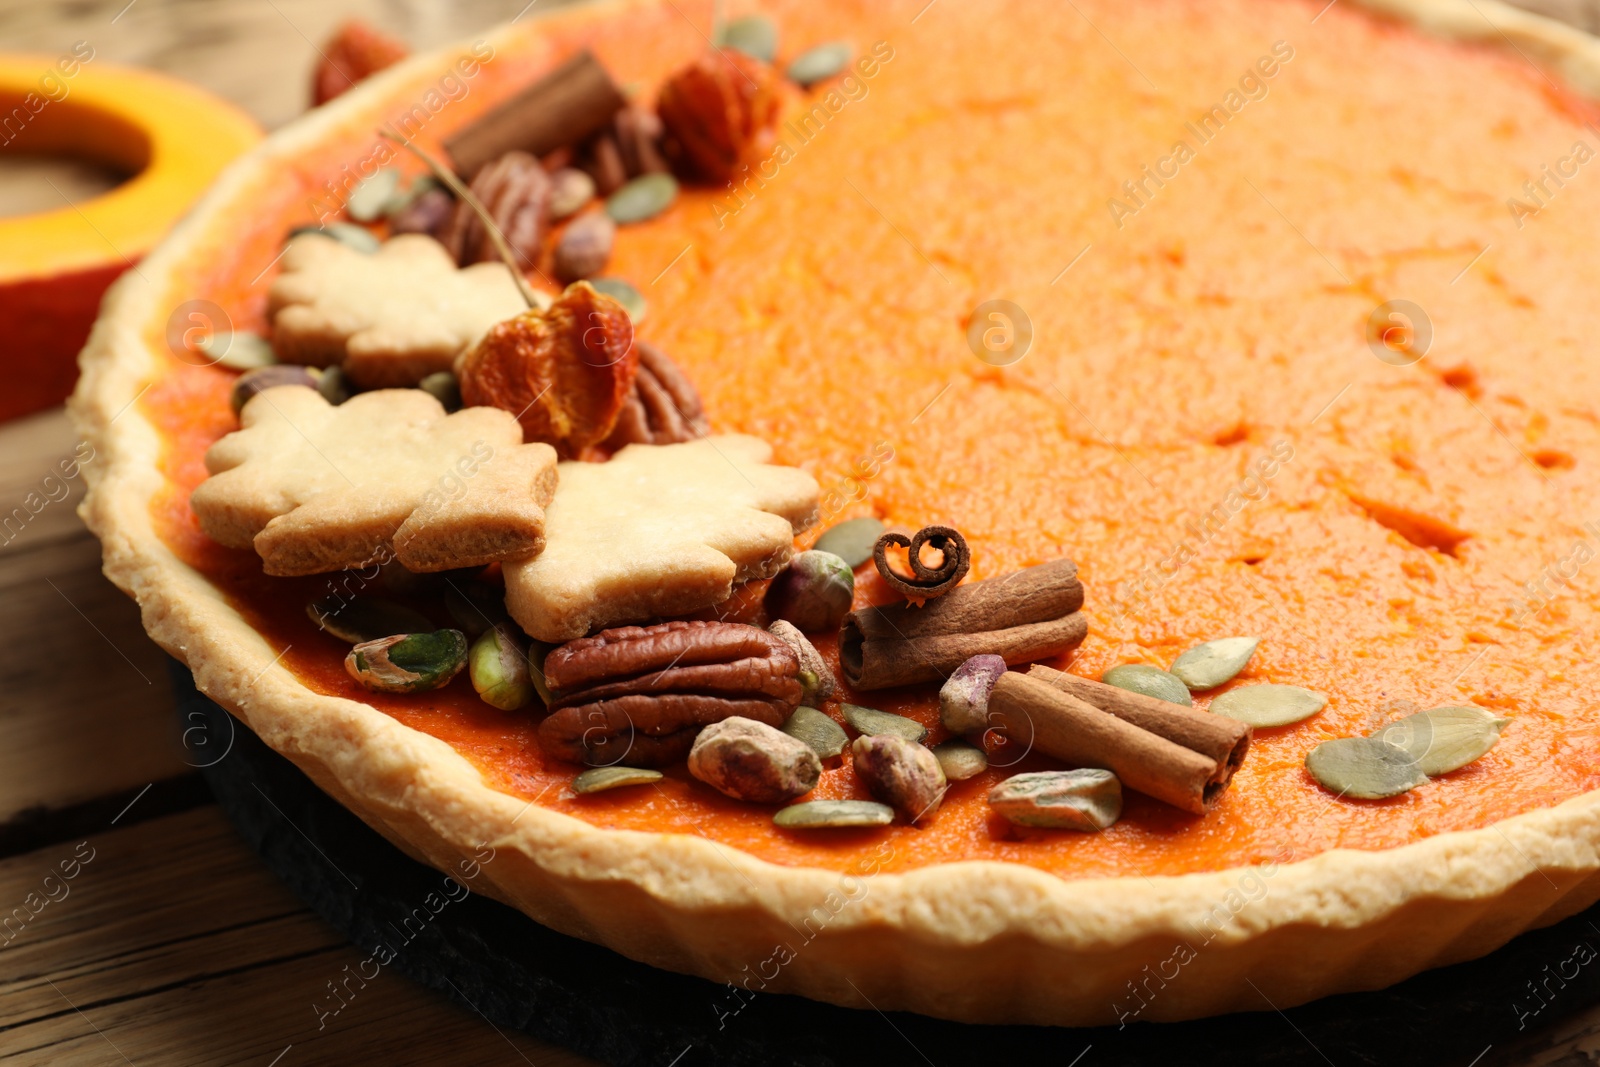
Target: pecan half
[
  {"x": 516, "y": 191},
  {"x": 629, "y": 146},
  {"x": 662, "y": 408},
  {"x": 718, "y": 112},
  {"x": 564, "y": 372},
  {"x": 638, "y": 695}
]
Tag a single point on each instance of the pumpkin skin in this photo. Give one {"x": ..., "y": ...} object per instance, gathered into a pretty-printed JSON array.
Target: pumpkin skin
[{"x": 174, "y": 139}]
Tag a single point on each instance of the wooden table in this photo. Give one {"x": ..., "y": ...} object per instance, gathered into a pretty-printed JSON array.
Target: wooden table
[{"x": 172, "y": 944}]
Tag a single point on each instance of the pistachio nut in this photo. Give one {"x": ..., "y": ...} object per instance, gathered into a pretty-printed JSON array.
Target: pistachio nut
[
  {"x": 570, "y": 190},
  {"x": 475, "y": 605},
  {"x": 816, "y": 680},
  {"x": 498, "y": 666},
  {"x": 334, "y": 385},
  {"x": 585, "y": 246},
  {"x": 813, "y": 593},
  {"x": 901, "y": 773},
  {"x": 408, "y": 663},
  {"x": 964, "y": 697},
  {"x": 749, "y": 760}
]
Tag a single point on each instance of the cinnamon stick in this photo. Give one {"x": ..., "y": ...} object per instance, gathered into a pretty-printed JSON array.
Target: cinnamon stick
[
  {"x": 564, "y": 107},
  {"x": 1045, "y": 719},
  {"x": 1217, "y": 737},
  {"x": 1031, "y": 614}
]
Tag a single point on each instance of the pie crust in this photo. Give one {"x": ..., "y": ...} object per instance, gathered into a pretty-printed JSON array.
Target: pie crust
[{"x": 976, "y": 941}]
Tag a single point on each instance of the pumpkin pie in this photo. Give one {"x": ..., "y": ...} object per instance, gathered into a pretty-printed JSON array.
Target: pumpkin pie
[{"x": 1292, "y": 331}]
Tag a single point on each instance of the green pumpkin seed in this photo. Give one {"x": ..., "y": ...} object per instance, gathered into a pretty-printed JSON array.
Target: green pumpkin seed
[
  {"x": 1366, "y": 768},
  {"x": 334, "y": 386},
  {"x": 826, "y": 737},
  {"x": 238, "y": 350},
  {"x": 599, "y": 779},
  {"x": 1269, "y": 704},
  {"x": 365, "y": 618},
  {"x": 370, "y": 199},
  {"x": 498, "y": 667},
  {"x": 819, "y": 63},
  {"x": 754, "y": 35},
  {"x": 1149, "y": 681},
  {"x": 960, "y": 760},
  {"x": 1088, "y": 799},
  {"x": 852, "y": 540},
  {"x": 870, "y": 721},
  {"x": 624, "y": 293},
  {"x": 1442, "y": 740},
  {"x": 346, "y": 233},
  {"x": 443, "y": 387},
  {"x": 1215, "y": 662},
  {"x": 829, "y": 814},
  {"x": 408, "y": 663},
  {"x": 643, "y": 198}
]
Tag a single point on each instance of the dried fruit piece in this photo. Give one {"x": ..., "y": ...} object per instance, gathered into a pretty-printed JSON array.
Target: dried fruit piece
[
  {"x": 901, "y": 773},
  {"x": 1151, "y": 681},
  {"x": 814, "y": 592},
  {"x": 565, "y": 372},
  {"x": 355, "y": 51},
  {"x": 826, "y": 737},
  {"x": 585, "y": 246},
  {"x": 833, "y": 814},
  {"x": 1268, "y": 705},
  {"x": 1215, "y": 662},
  {"x": 1367, "y": 768},
  {"x": 749, "y": 760},
  {"x": 408, "y": 663},
  {"x": 1089, "y": 799},
  {"x": 515, "y": 190},
  {"x": 1442, "y": 740},
  {"x": 719, "y": 112},
  {"x": 872, "y": 722},
  {"x": 663, "y": 407},
  {"x": 964, "y": 697}
]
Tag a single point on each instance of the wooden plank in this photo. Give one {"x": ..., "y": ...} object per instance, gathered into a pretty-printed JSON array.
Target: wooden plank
[
  {"x": 86, "y": 709},
  {"x": 173, "y": 944},
  {"x": 38, "y": 502}
]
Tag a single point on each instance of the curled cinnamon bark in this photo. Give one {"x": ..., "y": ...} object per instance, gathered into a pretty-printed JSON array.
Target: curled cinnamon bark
[
  {"x": 925, "y": 582},
  {"x": 1029, "y": 615}
]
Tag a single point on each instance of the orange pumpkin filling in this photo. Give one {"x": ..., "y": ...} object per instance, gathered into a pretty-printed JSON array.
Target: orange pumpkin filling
[{"x": 1202, "y": 420}]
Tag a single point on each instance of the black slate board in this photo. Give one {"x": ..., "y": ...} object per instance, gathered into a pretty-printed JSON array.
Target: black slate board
[{"x": 571, "y": 993}]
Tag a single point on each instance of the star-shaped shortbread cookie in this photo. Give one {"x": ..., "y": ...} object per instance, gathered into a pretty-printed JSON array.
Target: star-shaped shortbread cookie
[
  {"x": 386, "y": 475},
  {"x": 389, "y": 318},
  {"x": 659, "y": 530}
]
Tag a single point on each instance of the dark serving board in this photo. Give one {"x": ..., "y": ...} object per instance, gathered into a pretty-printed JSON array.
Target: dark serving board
[{"x": 571, "y": 993}]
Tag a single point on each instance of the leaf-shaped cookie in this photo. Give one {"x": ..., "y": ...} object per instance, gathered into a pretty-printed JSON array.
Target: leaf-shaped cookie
[
  {"x": 390, "y": 318},
  {"x": 659, "y": 530},
  {"x": 386, "y": 475}
]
